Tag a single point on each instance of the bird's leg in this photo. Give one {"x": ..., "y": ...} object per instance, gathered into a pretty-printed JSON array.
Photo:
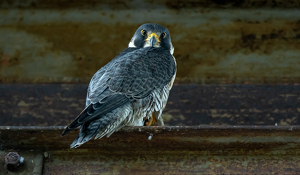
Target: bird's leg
[
  {"x": 150, "y": 121},
  {"x": 153, "y": 119}
]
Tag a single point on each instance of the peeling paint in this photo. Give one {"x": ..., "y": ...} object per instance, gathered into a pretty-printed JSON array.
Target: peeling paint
[{"x": 43, "y": 42}]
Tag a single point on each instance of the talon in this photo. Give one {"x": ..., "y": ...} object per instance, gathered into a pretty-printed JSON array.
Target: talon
[
  {"x": 153, "y": 119},
  {"x": 150, "y": 121}
]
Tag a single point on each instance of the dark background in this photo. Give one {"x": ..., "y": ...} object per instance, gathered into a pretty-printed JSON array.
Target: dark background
[{"x": 238, "y": 61}]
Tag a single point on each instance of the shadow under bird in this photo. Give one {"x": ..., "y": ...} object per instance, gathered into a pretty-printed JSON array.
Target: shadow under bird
[{"x": 132, "y": 89}]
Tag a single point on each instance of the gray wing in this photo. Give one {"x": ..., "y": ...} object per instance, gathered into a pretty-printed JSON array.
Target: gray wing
[
  {"x": 98, "y": 79},
  {"x": 132, "y": 76}
]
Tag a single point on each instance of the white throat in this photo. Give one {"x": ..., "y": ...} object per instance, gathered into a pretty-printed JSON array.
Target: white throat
[
  {"x": 172, "y": 49},
  {"x": 131, "y": 44}
]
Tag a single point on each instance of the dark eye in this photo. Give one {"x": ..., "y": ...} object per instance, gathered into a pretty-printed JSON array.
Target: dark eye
[
  {"x": 163, "y": 35},
  {"x": 143, "y": 32}
]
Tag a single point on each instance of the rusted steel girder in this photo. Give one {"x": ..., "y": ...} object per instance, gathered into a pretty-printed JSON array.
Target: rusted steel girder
[
  {"x": 188, "y": 104},
  {"x": 172, "y": 150}
]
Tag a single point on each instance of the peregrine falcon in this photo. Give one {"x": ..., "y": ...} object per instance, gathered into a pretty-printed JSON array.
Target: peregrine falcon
[{"x": 132, "y": 89}]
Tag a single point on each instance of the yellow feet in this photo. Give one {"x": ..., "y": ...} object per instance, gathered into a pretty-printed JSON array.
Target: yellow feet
[{"x": 150, "y": 121}]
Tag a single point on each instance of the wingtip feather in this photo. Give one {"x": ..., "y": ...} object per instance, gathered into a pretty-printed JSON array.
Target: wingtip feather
[{"x": 66, "y": 131}]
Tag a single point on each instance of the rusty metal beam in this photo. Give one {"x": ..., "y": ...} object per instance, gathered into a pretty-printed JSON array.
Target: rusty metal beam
[
  {"x": 59, "y": 104},
  {"x": 172, "y": 150}
]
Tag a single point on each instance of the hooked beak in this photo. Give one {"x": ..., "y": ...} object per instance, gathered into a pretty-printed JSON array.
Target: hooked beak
[{"x": 153, "y": 40}]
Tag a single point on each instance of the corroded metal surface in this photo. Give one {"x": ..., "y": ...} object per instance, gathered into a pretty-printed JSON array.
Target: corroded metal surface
[
  {"x": 40, "y": 105},
  {"x": 13, "y": 161},
  {"x": 33, "y": 162},
  {"x": 59, "y": 104},
  {"x": 215, "y": 41},
  {"x": 172, "y": 150}
]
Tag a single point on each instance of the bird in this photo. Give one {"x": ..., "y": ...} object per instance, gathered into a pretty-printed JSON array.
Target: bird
[{"x": 132, "y": 89}]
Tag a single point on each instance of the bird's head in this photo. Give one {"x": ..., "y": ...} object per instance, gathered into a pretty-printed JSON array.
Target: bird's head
[{"x": 152, "y": 35}]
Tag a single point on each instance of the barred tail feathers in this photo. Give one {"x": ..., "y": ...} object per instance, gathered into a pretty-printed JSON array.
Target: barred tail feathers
[{"x": 103, "y": 126}]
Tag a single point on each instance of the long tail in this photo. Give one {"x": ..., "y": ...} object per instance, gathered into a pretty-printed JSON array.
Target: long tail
[
  {"x": 88, "y": 131},
  {"x": 104, "y": 126},
  {"x": 98, "y": 110}
]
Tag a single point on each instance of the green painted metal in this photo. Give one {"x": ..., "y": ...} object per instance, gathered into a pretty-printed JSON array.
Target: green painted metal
[{"x": 215, "y": 41}]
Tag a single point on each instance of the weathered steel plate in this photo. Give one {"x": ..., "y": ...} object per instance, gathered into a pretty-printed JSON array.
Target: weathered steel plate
[
  {"x": 59, "y": 104},
  {"x": 172, "y": 150},
  {"x": 215, "y": 41}
]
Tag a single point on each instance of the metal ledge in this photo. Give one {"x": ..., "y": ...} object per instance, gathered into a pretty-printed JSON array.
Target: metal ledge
[
  {"x": 164, "y": 138},
  {"x": 171, "y": 150}
]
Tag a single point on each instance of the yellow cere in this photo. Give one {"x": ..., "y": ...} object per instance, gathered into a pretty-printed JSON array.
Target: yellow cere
[{"x": 150, "y": 36}]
